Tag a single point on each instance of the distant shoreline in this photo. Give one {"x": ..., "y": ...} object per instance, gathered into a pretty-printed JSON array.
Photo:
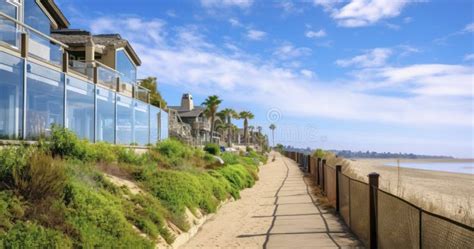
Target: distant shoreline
[{"x": 420, "y": 160}]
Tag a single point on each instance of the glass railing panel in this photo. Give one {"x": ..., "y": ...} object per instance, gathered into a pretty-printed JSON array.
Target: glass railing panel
[
  {"x": 141, "y": 123},
  {"x": 107, "y": 77},
  {"x": 44, "y": 49},
  {"x": 9, "y": 33},
  {"x": 126, "y": 89},
  {"x": 141, "y": 94}
]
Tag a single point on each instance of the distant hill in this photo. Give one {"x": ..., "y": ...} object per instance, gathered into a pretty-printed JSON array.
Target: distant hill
[{"x": 370, "y": 154}]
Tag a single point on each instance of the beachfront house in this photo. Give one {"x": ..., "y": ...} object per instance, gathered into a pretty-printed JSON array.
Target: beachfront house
[
  {"x": 195, "y": 117},
  {"x": 50, "y": 74}
]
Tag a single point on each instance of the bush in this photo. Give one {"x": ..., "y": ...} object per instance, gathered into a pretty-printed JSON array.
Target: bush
[
  {"x": 30, "y": 235},
  {"x": 11, "y": 209},
  {"x": 12, "y": 159},
  {"x": 212, "y": 149},
  {"x": 126, "y": 155},
  {"x": 172, "y": 153}
]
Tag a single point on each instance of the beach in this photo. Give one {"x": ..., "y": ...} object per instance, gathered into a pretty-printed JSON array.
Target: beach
[{"x": 445, "y": 193}]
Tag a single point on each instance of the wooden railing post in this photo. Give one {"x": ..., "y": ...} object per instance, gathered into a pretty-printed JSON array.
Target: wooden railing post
[
  {"x": 373, "y": 187},
  {"x": 65, "y": 62},
  {"x": 24, "y": 45},
  {"x": 338, "y": 201},
  {"x": 323, "y": 165},
  {"x": 318, "y": 169},
  {"x": 308, "y": 158}
]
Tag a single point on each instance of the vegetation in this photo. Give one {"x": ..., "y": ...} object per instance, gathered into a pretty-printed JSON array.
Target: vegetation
[
  {"x": 273, "y": 127},
  {"x": 212, "y": 149},
  {"x": 155, "y": 96},
  {"x": 212, "y": 104},
  {"x": 246, "y": 116},
  {"x": 60, "y": 193},
  {"x": 227, "y": 115}
]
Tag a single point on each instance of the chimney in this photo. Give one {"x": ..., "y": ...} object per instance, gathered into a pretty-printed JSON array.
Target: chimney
[{"x": 187, "y": 102}]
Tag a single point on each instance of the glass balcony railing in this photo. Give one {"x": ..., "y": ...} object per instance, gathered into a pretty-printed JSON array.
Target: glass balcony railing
[
  {"x": 82, "y": 67},
  {"x": 141, "y": 93},
  {"x": 106, "y": 76},
  {"x": 9, "y": 33},
  {"x": 40, "y": 46}
]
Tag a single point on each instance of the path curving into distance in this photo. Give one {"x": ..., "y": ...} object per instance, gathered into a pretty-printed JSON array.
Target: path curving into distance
[{"x": 278, "y": 212}]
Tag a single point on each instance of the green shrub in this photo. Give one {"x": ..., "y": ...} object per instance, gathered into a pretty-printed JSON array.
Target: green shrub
[
  {"x": 129, "y": 156},
  {"x": 11, "y": 209},
  {"x": 30, "y": 235},
  {"x": 12, "y": 159},
  {"x": 104, "y": 152},
  {"x": 230, "y": 158},
  {"x": 173, "y": 153},
  {"x": 212, "y": 149},
  {"x": 238, "y": 176}
]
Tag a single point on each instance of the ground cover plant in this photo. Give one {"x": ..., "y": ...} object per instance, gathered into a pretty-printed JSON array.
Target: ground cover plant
[{"x": 59, "y": 193}]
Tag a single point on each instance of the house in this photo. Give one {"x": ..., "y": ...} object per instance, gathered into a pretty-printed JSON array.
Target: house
[
  {"x": 51, "y": 74},
  {"x": 195, "y": 117}
]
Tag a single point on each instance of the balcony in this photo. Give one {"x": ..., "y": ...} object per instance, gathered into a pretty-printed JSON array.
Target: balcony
[{"x": 30, "y": 42}]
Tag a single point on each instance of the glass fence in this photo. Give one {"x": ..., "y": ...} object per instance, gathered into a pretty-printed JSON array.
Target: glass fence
[
  {"x": 91, "y": 111},
  {"x": 9, "y": 34},
  {"x": 42, "y": 48},
  {"x": 107, "y": 77}
]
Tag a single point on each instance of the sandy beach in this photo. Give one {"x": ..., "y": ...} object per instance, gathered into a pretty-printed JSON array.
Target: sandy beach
[
  {"x": 444, "y": 193},
  {"x": 280, "y": 211}
]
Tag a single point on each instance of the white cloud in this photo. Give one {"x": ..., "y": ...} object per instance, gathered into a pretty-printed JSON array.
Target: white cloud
[
  {"x": 234, "y": 22},
  {"x": 315, "y": 34},
  {"x": 307, "y": 73},
  {"x": 372, "y": 58},
  {"x": 171, "y": 13},
  {"x": 255, "y": 35},
  {"x": 407, "y": 19},
  {"x": 469, "y": 57},
  {"x": 469, "y": 28},
  {"x": 288, "y": 51},
  {"x": 358, "y": 13},
  {"x": 289, "y": 7},
  {"x": 227, "y": 3},
  {"x": 247, "y": 80}
]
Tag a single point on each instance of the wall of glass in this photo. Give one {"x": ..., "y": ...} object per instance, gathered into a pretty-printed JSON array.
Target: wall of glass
[
  {"x": 80, "y": 108},
  {"x": 126, "y": 67},
  {"x": 124, "y": 120},
  {"x": 141, "y": 123},
  {"x": 11, "y": 96},
  {"x": 164, "y": 125},
  {"x": 45, "y": 100},
  {"x": 8, "y": 32},
  {"x": 154, "y": 124},
  {"x": 105, "y": 126}
]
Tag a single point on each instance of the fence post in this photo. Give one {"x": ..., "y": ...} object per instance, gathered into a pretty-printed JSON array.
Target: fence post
[
  {"x": 338, "y": 172},
  {"x": 318, "y": 179},
  {"x": 373, "y": 186},
  {"x": 323, "y": 164},
  {"x": 309, "y": 163}
]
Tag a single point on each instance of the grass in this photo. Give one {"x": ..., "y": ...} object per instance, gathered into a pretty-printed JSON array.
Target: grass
[{"x": 56, "y": 194}]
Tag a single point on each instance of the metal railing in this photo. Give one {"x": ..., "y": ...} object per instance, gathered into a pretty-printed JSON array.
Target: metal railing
[{"x": 381, "y": 219}]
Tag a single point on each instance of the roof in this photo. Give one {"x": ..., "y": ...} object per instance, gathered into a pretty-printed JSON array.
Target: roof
[
  {"x": 56, "y": 13},
  {"x": 79, "y": 38},
  {"x": 196, "y": 112}
]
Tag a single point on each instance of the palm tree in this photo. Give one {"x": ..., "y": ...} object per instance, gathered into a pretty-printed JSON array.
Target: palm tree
[
  {"x": 227, "y": 115},
  {"x": 246, "y": 115},
  {"x": 273, "y": 127},
  {"x": 212, "y": 104},
  {"x": 252, "y": 135}
]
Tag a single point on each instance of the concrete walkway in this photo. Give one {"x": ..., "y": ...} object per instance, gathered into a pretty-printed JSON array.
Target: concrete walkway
[{"x": 278, "y": 212}]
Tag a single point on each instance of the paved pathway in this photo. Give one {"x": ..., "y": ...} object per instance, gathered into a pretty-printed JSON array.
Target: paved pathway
[{"x": 278, "y": 212}]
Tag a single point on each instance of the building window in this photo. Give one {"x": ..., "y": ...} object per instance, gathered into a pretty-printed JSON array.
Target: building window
[
  {"x": 141, "y": 123},
  {"x": 36, "y": 18},
  {"x": 105, "y": 127},
  {"x": 80, "y": 108},
  {"x": 124, "y": 120},
  {"x": 126, "y": 67},
  {"x": 11, "y": 96},
  {"x": 8, "y": 30},
  {"x": 44, "y": 100}
]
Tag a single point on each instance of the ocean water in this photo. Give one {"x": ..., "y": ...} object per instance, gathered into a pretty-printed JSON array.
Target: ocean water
[{"x": 454, "y": 167}]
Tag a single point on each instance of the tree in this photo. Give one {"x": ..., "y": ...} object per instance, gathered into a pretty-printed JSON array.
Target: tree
[
  {"x": 155, "y": 96},
  {"x": 252, "y": 134},
  {"x": 273, "y": 127},
  {"x": 246, "y": 116},
  {"x": 212, "y": 104},
  {"x": 227, "y": 115}
]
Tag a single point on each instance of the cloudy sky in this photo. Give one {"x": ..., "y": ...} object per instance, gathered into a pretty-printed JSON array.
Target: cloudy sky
[{"x": 378, "y": 75}]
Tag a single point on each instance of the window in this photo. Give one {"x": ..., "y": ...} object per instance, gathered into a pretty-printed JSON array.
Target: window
[
  {"x": 11, "y": 96},
  {"x": 44, "y": 100},
  {"x": 80, "y": 108},
  {"x": 36, "y": 18},
  {"x": 8, "y": 30},
  {"x": 126, "y": 67},
  {"x": 105, "y": 127},
  {"x": 124, "y": 120},
  {"x": 154, "y": 125},
  {"x": 141, "y": 123}
]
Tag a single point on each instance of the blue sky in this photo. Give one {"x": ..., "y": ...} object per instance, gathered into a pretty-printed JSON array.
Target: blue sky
[{"x": 376, "y": 75}]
